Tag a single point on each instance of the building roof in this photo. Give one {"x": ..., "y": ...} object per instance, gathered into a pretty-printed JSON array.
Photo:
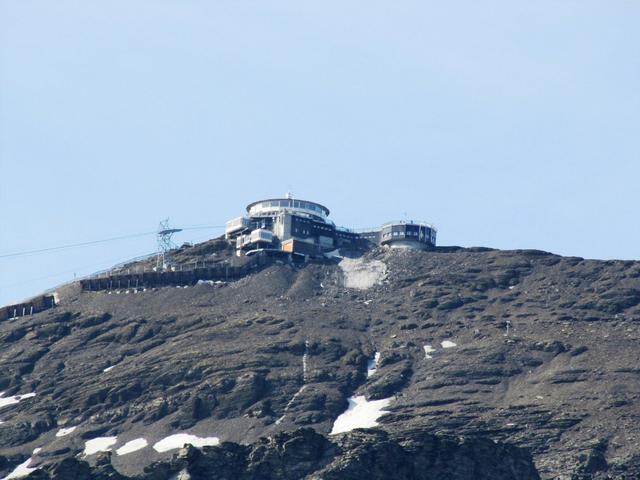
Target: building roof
[{"x": 290, "y": 203}]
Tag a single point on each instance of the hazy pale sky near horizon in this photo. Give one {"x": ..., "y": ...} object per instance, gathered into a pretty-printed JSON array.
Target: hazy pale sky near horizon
[{"x": 509, "y": 124}]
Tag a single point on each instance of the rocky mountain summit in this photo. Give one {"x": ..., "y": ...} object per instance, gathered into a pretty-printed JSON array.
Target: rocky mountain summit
[{"x": 460, "y": 364}]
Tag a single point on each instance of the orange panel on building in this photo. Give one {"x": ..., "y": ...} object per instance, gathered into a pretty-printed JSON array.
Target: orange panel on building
[{"x": 287, "y": 246}]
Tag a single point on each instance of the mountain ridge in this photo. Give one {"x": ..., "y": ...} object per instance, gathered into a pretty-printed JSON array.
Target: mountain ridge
[{"x": 544, "y": 357}]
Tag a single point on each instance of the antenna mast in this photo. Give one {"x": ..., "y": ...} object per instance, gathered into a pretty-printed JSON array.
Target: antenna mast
[{"x": 165, "y": 243}]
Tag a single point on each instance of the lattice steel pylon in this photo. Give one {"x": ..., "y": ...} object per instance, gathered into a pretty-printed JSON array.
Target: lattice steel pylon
[{"x": 165, "y": 243}]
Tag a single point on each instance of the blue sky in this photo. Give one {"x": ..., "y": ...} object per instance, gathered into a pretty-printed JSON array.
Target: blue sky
[{"x": 509, "y": 124}]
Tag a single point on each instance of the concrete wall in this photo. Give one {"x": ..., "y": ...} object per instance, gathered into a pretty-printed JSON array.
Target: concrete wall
[
  {"x": 179, "y": 277},
  {"x": 31, "y": 306}
]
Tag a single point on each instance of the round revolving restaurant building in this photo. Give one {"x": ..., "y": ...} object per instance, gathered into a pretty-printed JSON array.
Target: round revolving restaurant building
[
  {"x": 275, "y": 206},
  {"x": 408, "y": 234}
]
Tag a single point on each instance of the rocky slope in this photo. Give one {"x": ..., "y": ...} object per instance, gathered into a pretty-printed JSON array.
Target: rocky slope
[
  {"x": 536, "y": 352},
  {"x": 307, "y": 454}
]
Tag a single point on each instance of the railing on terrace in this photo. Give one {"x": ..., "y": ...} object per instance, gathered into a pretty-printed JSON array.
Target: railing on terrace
[{"x": 409, "y": 222}]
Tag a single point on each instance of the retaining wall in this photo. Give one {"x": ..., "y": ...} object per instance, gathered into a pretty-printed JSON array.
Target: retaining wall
[
  {"x": 29, "y": 307},
  {"x": 189, "y": 276}
]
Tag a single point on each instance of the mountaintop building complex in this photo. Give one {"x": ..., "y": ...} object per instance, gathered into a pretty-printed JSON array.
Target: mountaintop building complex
[{"x": 301, "y": 227}]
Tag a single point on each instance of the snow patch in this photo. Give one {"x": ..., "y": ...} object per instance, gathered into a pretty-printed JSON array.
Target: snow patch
[
  {"x": 360, "y": 414},
  {"x": 362, "y": 274},
  {"x": 179, "y": 440},
  {"x": 100, "y": 444},
  {"x": 428, "y": 350},
  {"x": 181, "y": 475},
  {"x": 5, "y": 402},
  {"x": 65, "y": 431},
  {"x": 293, "y": 399},
  {"x": 448, "y": 344},
  {"x": 372, "y": 364},
  {"x": 305, "y": 358},
  {"x": 132, "y": 446},
  {"x": 108, "y": 369},
  {"x": 23, "y": 469}
]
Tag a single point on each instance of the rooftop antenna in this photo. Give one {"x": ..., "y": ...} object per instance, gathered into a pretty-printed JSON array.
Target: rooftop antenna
[
  {"x": 289, "y": 196},
  {"x": 165, "y": 243}
]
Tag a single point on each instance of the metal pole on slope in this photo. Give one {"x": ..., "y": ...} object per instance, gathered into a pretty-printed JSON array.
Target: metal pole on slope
[{"x": 165, "y": 243}]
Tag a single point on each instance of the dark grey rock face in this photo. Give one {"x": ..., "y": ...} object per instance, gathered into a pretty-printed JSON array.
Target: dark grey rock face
[
  {"x": 307, "y": 454},
  {"x": 284, "y": 348}
]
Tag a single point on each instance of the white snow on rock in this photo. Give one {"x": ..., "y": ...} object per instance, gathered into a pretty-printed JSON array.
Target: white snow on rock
[
  {"x": 22, "y": 470},
  {"x": 132, "y": 446},
  {"x": 372, "y": 364},
  {"x": 100, "y": 444},
  {"x": 5, "y": 402},
  {"x": 181, "y": 475},
  {"x": 360, "y": 414},
  {"x": 448, "y": 344},
  {"x": 305, "y": 361},
  {"x": 65, "y": 431},
  {"x": 288, "y": 406},
  {"x": 428, "y": 350},
  {"x": 362, "y": 274},
  {"x": 179, "y": 440},
  {"x": 108, "y": 369}
]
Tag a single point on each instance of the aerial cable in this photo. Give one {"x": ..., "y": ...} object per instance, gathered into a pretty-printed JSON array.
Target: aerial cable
[
  {"x": 105, "y": 264},
  {"x": 97, "y": 242},
  {"x": 203, "y": 227},
  {"x": 74, "y": 245}
]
